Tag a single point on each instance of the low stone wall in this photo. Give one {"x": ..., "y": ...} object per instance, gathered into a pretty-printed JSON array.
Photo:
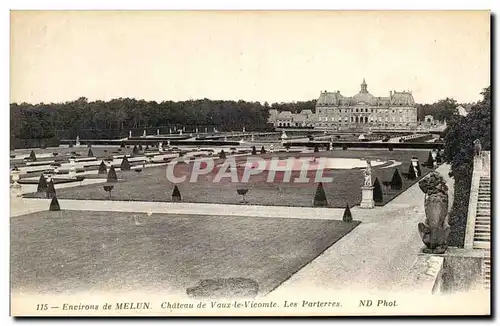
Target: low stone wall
[
  {"x": 427, "y": 274},
  {"x": 462, "y": 270},
  {"x": 457, "y": 270}
]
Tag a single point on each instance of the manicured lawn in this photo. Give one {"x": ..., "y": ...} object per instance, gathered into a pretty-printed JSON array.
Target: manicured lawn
[
  {"x": 72, "y": 251},
  {"x": 152, "y": 185}
]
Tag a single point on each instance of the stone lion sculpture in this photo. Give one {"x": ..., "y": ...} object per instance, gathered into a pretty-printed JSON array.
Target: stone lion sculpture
[{"x": 435, "y": 229}]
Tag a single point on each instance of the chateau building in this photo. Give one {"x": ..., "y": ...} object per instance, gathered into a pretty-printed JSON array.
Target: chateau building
[{"x": 361, "y": 111}]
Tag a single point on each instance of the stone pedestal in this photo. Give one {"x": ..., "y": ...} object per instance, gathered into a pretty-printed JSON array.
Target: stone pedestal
[
  {"x": 72, "y": 169},
  {"x": 72, "y": 172},
  {"x": 16, "y": 190},
  {"x": 367, "y": 197}
]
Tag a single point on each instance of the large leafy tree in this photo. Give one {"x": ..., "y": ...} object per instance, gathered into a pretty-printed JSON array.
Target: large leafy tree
[
  {"x": 442, "y": 110},
  {"x": 459, "y": 144}
]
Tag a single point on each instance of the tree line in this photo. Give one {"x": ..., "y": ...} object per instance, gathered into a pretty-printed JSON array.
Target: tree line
[
  {"x": 69, "y": 119},
  {"x": 114, "y": 118}
]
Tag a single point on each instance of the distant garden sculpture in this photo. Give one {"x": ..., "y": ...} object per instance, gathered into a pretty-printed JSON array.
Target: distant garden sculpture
[
  {"x": 367, "y": 174},
  {"x": 435, "y": 230},
  {"x": 242, "y": 192},
  {"x": 477, "y": 147},
  {"x": 107, "y": 188}
]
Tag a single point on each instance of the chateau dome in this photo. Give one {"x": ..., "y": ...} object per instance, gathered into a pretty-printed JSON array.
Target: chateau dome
[{"x": 362, "y": 97}]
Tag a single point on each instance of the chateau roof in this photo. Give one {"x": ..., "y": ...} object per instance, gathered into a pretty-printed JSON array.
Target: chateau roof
[
  {"x": 327, "y": 98},
  {"x": 402, "y": 98},
  {"x": 363, "y": 96}
]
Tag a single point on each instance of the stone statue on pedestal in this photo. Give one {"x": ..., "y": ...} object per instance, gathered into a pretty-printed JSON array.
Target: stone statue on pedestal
[
  {"x": 367, "y": 174},
  {"x": 130, "y": 134},
  {"x": 435, "y": 230},
  {"x": 16, "y": 188},
  {"x": 477, "y": 147}
]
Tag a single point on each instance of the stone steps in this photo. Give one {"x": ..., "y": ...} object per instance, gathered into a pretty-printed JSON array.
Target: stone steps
[
  {"x": 480, "y": 244},
  {"x": 487, "y": 273}
]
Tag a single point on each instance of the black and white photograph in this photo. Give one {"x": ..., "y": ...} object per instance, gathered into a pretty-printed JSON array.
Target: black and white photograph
[{"x": 250, "y": 162}]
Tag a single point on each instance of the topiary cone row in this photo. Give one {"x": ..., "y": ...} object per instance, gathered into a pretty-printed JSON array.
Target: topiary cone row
[
  {"x": 112, "y": 177},
  {"x": 378, "y": 195},
  {"x": 320, "y": 197},
  {"x": 347, "y": 217}
]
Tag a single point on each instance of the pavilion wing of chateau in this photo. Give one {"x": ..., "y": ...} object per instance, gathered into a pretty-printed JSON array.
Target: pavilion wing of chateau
[{"x": 361, "y": 111}]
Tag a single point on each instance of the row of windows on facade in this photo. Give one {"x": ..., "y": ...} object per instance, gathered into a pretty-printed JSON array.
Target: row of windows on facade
[
  {"x": 358, "y": 119},
  {"x": 352, "y": 119},
  {"x": 292, "y": 124},
  {"x": 364, "y": 110},
  {"x": 378, "y": 104}
]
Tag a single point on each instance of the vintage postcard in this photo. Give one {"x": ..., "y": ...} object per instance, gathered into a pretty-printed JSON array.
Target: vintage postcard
[{"x": 250, "y": 163}]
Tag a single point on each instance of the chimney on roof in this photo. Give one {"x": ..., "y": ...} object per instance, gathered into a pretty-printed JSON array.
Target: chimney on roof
[{"x": 390, "y": 93}]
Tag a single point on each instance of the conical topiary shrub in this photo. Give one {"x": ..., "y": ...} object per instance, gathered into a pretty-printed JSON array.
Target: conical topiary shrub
[
  {"x": 263, "y": 150},
  {"x": 222, "y": 154},
  {"x": 176, "y": 194},
  {"x": 411, "y": 172},
  {"x": 42, "y": 185},
  {"x": 320, "y": 197},
  {"x": 254, "y": 150},
  {"x": 89, "y": 145},
  {"x": 112, "y": 175},
  {"x": 122, "y": 145},
  {"x": 102, "y": 168},
  {"x": 430, "y": 161},
  {"x": 135, "y": 150},
  {"x": 140, "y": 147},
  {"x": 147, "y": 148},
  {"x": 378, "y": 195},
  {"x": 391, "y": 148},
  {"x": 32, "y": 156},
  {"x": 347, "y": 217},
  {"x": 125, "y": 165},
  {"x": 396, "y": 181},
  {"x": 316, "y": 149},
  {"x": 90, "y": 153},
  {"x": 51, "y": 190},
  {"x": 54, "y": 205},
  {"x": 344, "y": 147}
]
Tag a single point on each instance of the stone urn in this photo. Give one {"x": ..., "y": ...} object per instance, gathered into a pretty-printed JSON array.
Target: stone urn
[{"x": 435, "y": 230}]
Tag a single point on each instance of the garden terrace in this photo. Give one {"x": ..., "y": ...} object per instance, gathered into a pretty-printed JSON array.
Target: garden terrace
[
  {"x": 152, "y": 184},
  {"x": 337, "y": 144},
  {"x": 72, "y": 251}
]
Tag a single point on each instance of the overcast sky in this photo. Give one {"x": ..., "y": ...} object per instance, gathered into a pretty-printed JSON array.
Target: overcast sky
[{"x": 252, "y": 56}]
